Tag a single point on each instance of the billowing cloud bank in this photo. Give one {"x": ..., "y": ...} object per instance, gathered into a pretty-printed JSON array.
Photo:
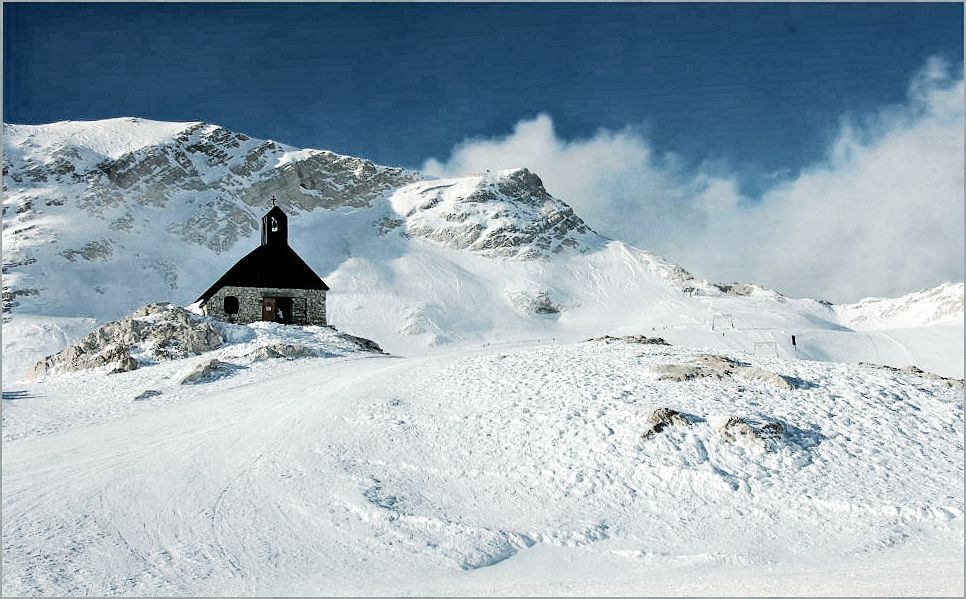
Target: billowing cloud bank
[{"x": 881, "y": 214}]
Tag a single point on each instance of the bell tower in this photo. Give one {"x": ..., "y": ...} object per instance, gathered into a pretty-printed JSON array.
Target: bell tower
[{"x": 274, "y": 226}]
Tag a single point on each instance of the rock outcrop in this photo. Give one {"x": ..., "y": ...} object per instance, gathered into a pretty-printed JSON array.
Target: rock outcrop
[
  {"x": 710, "y": 366},
  {"x": 533, "y": 303},
  {"x": 747, "y": 431},
  {"x": 662, "y": 418},
  {"x": 152, "y": 333},
  {"x": 638, "y": 339},
  {"x": 916, "y": 371},
  {"x": 207, "y": 371}
]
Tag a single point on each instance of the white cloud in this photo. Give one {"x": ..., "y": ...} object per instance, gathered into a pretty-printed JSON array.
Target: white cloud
[{"x": 882, "y": 214}]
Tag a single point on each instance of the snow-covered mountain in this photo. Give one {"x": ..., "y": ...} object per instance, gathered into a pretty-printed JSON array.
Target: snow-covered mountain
[
  {"x": 939, "y": 305},
  {"x": 169, "y": 453},
  {"x": 505, "y": 213},
  {"x": 102, "y": 217}
]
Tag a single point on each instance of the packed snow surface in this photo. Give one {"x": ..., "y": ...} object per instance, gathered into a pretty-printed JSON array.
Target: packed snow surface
[{"x": 524, "y": 469}]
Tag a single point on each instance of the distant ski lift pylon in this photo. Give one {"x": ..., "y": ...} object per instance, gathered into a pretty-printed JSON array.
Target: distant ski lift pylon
[{"x": 723, "y": 319}]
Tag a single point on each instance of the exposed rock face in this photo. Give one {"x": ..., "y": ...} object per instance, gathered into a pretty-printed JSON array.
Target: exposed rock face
[
  {"x": 328, "y": 180},
  {"x": 225, "y": 166},
  {"x": 746, "y": 289},
  {"x": 506, "y": 213},
  {"x": 196, "y": 185},
  {"x": 533, "y": 303},
  {"x": 162, "y": 332},
  {"x": 154, "y": 332},
  {"x": 662, "y": 418},
  {"x": 94, "y": 250}
]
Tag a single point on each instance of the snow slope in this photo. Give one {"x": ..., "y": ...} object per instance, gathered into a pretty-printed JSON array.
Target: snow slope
[
  {"x": 95, "y": 140},
  {"x": 936, "y": 306},
  {"x": 516, "y": 470},
  {"x": 105, "y": 216}
]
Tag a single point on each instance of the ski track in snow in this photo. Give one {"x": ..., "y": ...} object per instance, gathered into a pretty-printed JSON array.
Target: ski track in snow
[{"x": 510, "y": 470}]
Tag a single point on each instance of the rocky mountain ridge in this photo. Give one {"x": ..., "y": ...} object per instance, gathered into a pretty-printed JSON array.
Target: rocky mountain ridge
[
  {"x": 102, "y": 217},
  {"x": 151, "y": 195},
  {"x": 504, "y": 213}
]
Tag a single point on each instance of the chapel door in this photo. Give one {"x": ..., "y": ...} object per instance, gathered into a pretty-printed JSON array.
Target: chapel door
[
  {"x": 268, "y": 309},
  {"x": 283, "y": 312}
]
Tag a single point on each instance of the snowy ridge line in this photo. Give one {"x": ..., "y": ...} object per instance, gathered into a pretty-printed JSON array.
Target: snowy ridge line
[
  {"x": 942, "y": 304},
  {"x": 148, "y": 212}
]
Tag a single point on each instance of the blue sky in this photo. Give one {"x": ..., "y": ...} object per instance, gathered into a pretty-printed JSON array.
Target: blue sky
[{"x": 758, "y": 88}]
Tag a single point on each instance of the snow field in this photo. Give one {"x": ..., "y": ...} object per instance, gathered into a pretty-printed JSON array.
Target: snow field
[{"x": 508, "y": 470}]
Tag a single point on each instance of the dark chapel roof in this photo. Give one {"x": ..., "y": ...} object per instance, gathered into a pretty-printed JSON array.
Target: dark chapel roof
[{"x": 271, "y": 265}]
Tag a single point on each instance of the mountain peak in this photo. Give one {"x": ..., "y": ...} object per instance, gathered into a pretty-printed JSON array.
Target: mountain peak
[
  {"x": 505, "y": 213},
  {"x": 942, "y": 304},
  {"x": 106, "y": 138}
]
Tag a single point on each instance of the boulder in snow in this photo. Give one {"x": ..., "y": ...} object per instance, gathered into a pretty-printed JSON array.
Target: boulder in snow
[
  {"x": 362, "y": 343},
  {"x": 148, "y": 394},
  {"x": 126, "y": 364},
  {"x": 704, "y": 366},
  {"x": 714, "y": 367},
  {"x": 662, "y": 418},
  {"x": 281, "y": 350},
  {"x": 747, "y": 431},
  {"x": 207, "y": 371},
  {"x": 754, "y": 373}
]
